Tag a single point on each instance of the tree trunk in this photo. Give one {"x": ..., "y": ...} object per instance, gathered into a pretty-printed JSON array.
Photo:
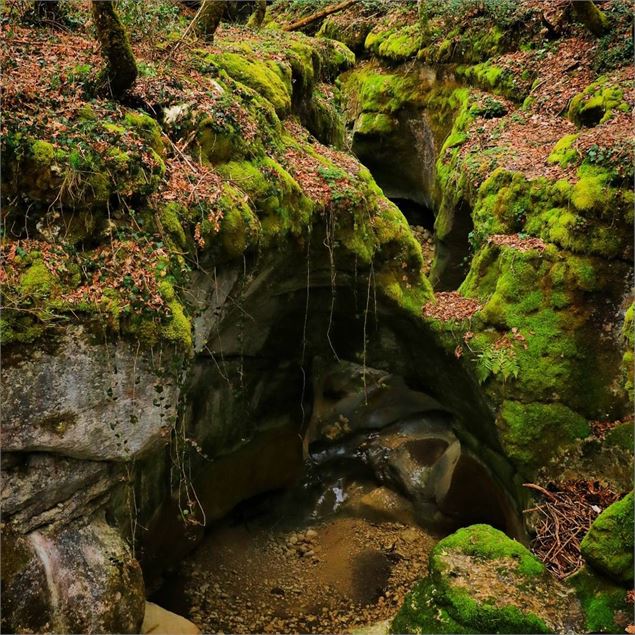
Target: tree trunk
[
  {"x": 422, "y": 14},
  {"x": 48, "y": 9},
  {"x": 258, "y": 16},
  {"x": 299, "y": 24},
  {"x": 210, "y": 14},
  {"x": 592, "y": 18},
  {"x": 121, "y": 68}
]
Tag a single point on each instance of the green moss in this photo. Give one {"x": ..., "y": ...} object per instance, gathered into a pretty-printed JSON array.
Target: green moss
[
  {"x": 113, "y": 128},
  {"x": 37, "y": 280},
  {"x": 602, "y": 601},
  {"x": 324, "y": 121},
  {"x": 148, "y": 129},
  {"x": 277, "y": 199},
  {"x": 266, "y": 78},
  {"x": 562, "y": 152},
  {"x": 87, "y": 113},
  {"x": 589, "y": 193},
  {"x": 486, "y": 543},
  {"x": 397, "y": 45},
  {"x": 420, "y": 613},
  {"x": 621, "y": 436},
  {"x": 409, "y": 296},
  {"x": 597, "y": 103},
  {"x": 43, "y": 152},
  {"x": 441, "y": 604},
  {"x": 370, "y": 89},
  {"x": 178, "y": 328},
  {"x": 239, "y": 228},
  {"x": 490, "y": 77},
  {"x": 352, "y": 34},
  {"x": 215, "y": 143},
  {"x": 628, "y": 337},
  {"x": 170, "y": 217},
  {"x": 374, "y": 123},
  {"x": 531, "y": 433},
  {"x": 120, "y": 160},
  {"x": 608, "y": 545}
]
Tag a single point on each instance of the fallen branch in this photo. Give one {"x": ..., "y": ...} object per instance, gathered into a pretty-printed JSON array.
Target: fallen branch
[{"x": 298, "y": 24}]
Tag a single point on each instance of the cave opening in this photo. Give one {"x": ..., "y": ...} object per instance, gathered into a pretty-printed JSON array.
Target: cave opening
[
  {"x": 417, "y": 214},
  {"x": 345, "y": 464}
]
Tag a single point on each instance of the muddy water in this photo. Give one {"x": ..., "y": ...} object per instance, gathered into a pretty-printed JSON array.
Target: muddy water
[{"x": 333, "y": 554}]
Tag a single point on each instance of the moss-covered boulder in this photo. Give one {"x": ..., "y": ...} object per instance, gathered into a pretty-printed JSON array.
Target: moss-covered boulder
[
  {"x": 597, "y": 103},
  {"x": 481, "y": 581},
  {"x": 603, "y": 602},
  {"x": 608, "y": 545}
]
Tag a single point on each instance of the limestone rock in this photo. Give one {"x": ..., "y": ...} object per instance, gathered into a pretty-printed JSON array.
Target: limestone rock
[
  {"x": 160, "y": 621},
  {"x": 86, "y": 400},
  {"x": 80, "y": 579},
  {"x": 481, "y": 581},
  {"x": 42, "y": 489}
]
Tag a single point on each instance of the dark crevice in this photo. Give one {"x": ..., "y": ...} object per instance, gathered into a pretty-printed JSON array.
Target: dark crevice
[{"x": 416, "y": 213}]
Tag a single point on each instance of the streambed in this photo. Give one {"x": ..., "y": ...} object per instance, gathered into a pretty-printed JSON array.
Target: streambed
[{"x": 304, "y": 562}]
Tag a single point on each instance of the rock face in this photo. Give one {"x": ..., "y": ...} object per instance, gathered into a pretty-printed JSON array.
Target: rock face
[
  {"x": 483, "y": 582},
  {"x": 77, "y": 579},
  {"x": 86, "y": 400},
  {"x": 608, "y": 545},
  {"x": 405, "y": 439}
]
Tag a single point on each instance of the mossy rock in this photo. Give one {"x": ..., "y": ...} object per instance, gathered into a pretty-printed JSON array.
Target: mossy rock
[
  {"x": 37, "y": 280},
  {"x": 490, "y": 77},
  {"x": 374, "y": 123},
  {"x": 217, "y": 143},
  {"x": 603, "y": 602},
  {"x": 369, "y": 88},
  {"x": 266, "y": 78},
  {"x": 542, "y": 295},
  {"x": 351, "y": 33},
  {"x": 148, "y": 129},
  {"x": 532, "y": 433},
  {"x": 597, "y": 103},
  {"x": 608, "y": 545},
  {"x": 622, "y": 436},
  {"x": 481, "y": 581},
  {"x": 562, "y": 152},
  {"x": 395, "y": 44},
  {"x": 628, "y": 338}
]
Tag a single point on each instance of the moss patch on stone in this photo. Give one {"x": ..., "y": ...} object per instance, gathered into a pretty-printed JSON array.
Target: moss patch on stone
[
  {"x": 608, "y": 545},
  {"x": 481, "y": 581},
  {"x": 603, "y": 602},
  {"x": 597, "y": 103},
  {"x": 562, "y": 152},
  {"x": 532, "y": 433}
]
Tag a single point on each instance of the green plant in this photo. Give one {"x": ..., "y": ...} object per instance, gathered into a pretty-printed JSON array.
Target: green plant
[
  {"x": 498, "y": 359},
  {"x": 490, "y": 108},
  {"x": 143, "y": 19}
]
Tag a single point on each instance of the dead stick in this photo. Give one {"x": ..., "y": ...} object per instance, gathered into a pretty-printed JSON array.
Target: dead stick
[
  {"x": 298, "y": 24},
  {"x": 542, "y": 490}
]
